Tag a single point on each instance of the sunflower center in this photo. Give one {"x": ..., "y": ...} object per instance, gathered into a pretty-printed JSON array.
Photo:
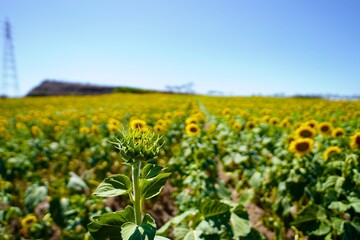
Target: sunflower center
[
  {"x": 357, "y": 140},
  {"x": 138, "y": 125},
  {"x": 312, "y": 125},
  {"x": 305, "y": 134},
  {"x": 325, "y": 128},
  {"x": 338, "y": 134},
  {"x": 302, "y": 147},
  {"x": 193, "y": 129}
]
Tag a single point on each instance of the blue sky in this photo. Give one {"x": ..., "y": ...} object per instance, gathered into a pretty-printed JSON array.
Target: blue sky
[{"x": 236, "y": 47}]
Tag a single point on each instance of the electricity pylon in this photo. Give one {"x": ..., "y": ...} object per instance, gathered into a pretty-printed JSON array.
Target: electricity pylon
[{"x": 10, "y": 81}]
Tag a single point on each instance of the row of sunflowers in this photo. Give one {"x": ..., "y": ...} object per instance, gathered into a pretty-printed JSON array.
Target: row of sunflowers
[{"x": 241, "y": 167}]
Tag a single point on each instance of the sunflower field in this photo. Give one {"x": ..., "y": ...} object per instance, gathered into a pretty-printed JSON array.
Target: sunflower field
[{"x": 166, "y": 166}]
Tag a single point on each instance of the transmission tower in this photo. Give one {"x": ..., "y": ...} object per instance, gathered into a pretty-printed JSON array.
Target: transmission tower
[{"x": 10, "y": 81}]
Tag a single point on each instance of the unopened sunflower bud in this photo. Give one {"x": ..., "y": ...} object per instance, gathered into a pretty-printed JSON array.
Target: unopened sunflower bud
[{"x": 135, "y": 146}]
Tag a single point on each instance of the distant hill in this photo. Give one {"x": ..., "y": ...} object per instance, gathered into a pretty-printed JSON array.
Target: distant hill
[{"x": 57, "y": 88}]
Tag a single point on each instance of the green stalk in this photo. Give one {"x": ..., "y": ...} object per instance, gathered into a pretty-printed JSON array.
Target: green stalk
[{"x": 136, "y": 192}]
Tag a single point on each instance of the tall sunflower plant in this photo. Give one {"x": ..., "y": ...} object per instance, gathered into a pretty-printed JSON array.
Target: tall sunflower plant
[{"x": 136, "y": 148}]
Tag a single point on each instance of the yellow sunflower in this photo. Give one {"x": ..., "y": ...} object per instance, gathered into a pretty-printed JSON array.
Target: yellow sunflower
[
  {"x": 325, "y": 128},
  {"x": 301, "y": 146},
  {"x": 290, "y": 138},
  {"x": 331, "y": 151},
  {"x": 305, "y": 131},
  {"x": 338, "y": 132},
  {"x": 191, "y": 120},
  {"x": 250, "y": 124},
  {"x": 84, "y": 130},
  {"x": 27, "y": 222},
  {"x": 236, "y": 126},
  {"x": 312, "y": 123},
  {"x": 159, "y": 128},
  {"x": 355, "y": 140},
  {"x": 35, "y": 131},
  {"x": 138, "y": 124},
  {"x": 274, "y": 121},
  {"x": 192, "y": 129}
]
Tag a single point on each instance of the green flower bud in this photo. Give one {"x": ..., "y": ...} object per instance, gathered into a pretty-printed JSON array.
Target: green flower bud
[{"x": 135, "y": 145}]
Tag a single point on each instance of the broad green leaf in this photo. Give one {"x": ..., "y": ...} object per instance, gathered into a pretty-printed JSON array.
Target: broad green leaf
[
  {"x": 157, "y": 237},
  {"x": 193, "y": 235},
  {"x": 108, "y": 225},
  {"x": 351, "y": 231},
  {"x": 113, "y": 186},
  {"x": 356, "y": 206},
  {"x": 57, "y": 211},
  {"x": 246, "y": 196},
  {"x": 240, "y": 226},
  {"x": 151, "y": 170},
  {"x": 34, "y": 195},
  {"x": 176, "y": 220},
  {"x": 210, "y": 208},
  {"x": 256, "y": 180},
  {"x": 152, "y": 187},
  {"x": 76, "y": 183},
  {"x": 330, "y": 182},
  {"x": 342, "y": 207},
  {"x": 146, "y": 230},
  {"x": 322, "y": 229},
  {"x": 130, "y": 231}
]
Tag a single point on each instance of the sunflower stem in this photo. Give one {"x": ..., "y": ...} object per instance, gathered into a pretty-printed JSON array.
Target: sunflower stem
[{"x": 136, "y": 192}]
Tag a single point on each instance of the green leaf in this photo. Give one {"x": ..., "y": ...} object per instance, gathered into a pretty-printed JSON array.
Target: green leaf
[
  {"x": 246, "y": 196},
  {"x": 193, "y": 235},
  {"x": 113, "y": 186},
  {"x": 210, "y": 208},
  {"x": 34, "y": 195},
  {"x": 356, "y": 206},
  {"x": 152, "y": 187},
  {"x": 342, "y": 207},
  {"x": 240, "y": 226},
  {"x": 351, "y": 231},
  {"x": 321, "y": 230},
  {"x": 146, "y": 230},
  {"x": 157, "y": 237},
  {"x": 176, "y": 220},
  {"x": 57, "y": 211},
  {"x": 76, "y": 183},
  {"x": 108, "y": 225},
  {"x": 256, "y": 180},
  {"x": 151, "y": 170}
]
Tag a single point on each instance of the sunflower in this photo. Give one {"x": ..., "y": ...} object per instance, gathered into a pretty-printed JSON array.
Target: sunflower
[
  {"x": 305, "y": 131},
  {"x": 27, "y": 222},
  {"x": 94, "y": 129},
  {"x": 250, "y": 124},
  {"x": 191, "y": 120},
  {"x": 355, "y": 140},
  {"x": 338, "y": 132},
  {"x": 274, "y": 121},
  {"x": 226, "y": 111},
  {"x": 192, "y": 129},
  {"x": 236, "y": 126},
  {"x": 325, "y": 128},
  {"x": 312, "y": 123},
  {"x": 331, "y": 151},
  {"x": 160, "y": 122},
  {"x": 290, "y": 138},
  {"x": 138, "y": 124},
  {"x": 159, "y": 128},
  {"x": 35, "y": 131},
  {"x": 84, "y": 130},
  {"x": 301, "y": 146}
]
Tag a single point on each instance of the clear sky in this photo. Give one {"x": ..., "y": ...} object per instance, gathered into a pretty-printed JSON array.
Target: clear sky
[{"x": 238, "y": 47}]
